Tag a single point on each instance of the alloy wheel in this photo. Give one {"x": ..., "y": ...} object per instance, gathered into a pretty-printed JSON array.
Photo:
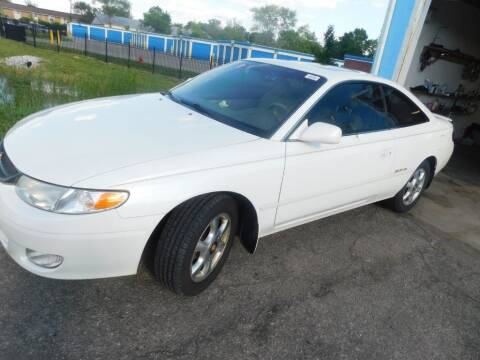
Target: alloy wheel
[
  {"x": 210, "y": 247},
  {"x": 414, "y": 187}
]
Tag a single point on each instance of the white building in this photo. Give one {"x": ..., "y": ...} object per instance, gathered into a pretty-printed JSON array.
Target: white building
[{"x": 117, "y": 22}]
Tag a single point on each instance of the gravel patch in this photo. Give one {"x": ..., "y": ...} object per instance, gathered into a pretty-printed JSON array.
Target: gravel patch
[{"x": 25, "y": 61}]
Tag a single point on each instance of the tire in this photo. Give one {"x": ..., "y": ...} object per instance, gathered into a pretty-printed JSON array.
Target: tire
[
  {"x": 413, "y": 190},
  {"x": 192, "y": 239}
]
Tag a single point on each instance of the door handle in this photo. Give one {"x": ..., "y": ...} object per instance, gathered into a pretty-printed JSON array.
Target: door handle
[{"x": 386, "y": 153}]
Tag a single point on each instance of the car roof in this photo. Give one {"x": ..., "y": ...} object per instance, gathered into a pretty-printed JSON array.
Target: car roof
[{"x": 331, "y": 73}]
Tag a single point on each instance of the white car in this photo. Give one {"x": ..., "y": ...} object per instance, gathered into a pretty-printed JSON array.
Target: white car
[{"x": 91, "y": 189}]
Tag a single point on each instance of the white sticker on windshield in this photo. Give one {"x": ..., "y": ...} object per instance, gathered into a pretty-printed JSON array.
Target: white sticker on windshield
[{"x": 312, "y": 77}]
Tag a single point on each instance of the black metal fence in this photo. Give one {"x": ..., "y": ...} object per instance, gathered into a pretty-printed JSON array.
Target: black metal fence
[
  {"x": 129, "y": 55},
  {"x": 13, "y": 32}
]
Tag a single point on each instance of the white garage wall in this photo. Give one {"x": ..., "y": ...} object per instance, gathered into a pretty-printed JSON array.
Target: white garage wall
[{"x": 455, "y": 25}]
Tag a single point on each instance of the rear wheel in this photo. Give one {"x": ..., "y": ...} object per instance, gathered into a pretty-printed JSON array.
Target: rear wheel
[
  {"x": 408, "y": 197},
  {"x": 195, "y": 243}
]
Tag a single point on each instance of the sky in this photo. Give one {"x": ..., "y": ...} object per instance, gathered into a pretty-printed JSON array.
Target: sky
[{"x": 345, "y": 15}]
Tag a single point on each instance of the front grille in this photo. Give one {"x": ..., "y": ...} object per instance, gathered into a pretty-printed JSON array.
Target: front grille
[{"x": 8, "y": 172}]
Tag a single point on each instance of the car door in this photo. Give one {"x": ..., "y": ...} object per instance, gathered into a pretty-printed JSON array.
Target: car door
[
  {"x": 413, "y": 136},
  {"x": 321, "y": 179}
]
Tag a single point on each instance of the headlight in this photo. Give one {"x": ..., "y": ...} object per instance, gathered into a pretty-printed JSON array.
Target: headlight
[{"x": 66, "y": 200}]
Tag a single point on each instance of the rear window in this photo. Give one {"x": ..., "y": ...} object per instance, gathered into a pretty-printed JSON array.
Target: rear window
[{"x": 403, "y": 110}]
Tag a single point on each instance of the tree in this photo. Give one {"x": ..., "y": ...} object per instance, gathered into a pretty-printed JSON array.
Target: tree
[
  {"x": 262, "y": 38},
  {"x": 196, "y": 29},
  {"x": 26, "y": 19},
  {"x": 320, "y": 55},
  {"x": 177, "y": 29},
  {"x": 234, "y": 31},
  {"x": 213, "y": 28},
  {"x": 301, "y": 39},
  {"x": 158, "y": 20},
  {"x": 85, "y": 10},
  {"x": 113, "y": 8},
  {"x": 371, "y": 47},
  {"x": 330, "y": 43},
  {"x": 289, "y": 39},
  {"x": 356, "y": 42},
  {"x": 305, "y": 33},
  {"x": 273, "y": 19},
  {"x": 30, "y": 3}
]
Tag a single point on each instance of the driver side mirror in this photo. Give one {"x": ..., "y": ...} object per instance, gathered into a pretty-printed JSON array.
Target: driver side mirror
[{"x": 323, "y": 133}]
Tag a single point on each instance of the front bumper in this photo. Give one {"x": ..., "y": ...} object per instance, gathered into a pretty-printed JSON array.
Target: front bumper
[{"x": 93, "y": 246}]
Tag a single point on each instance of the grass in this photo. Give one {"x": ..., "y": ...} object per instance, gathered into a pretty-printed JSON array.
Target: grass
[{"x": 63, "y": 78}]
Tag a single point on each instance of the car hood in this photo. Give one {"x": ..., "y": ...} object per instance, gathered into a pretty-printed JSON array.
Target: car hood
[{"x": 67, "y": 144}]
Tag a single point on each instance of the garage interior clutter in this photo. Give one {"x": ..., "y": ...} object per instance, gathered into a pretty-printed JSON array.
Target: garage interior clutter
[{"x": 444, "y": 71}]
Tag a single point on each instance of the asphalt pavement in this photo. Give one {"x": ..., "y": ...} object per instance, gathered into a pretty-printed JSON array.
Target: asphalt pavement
[{"x": 366, "y": 284}]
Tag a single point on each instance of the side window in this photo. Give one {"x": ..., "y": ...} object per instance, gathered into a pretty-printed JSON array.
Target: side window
[
  {"x": 402, "y": 110},
  {"x": 354, "y": 107}
]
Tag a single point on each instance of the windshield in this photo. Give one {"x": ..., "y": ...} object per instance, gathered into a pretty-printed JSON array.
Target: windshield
[{"x": 251, "y": 96}]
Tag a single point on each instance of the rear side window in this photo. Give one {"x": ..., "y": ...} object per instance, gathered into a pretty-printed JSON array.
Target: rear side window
[
  {"x": 354, "y": 107},
  {"x": 402, "y": 110}
]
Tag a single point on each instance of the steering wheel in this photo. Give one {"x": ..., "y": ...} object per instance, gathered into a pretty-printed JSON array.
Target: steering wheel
[{"x": 278, "y": 110}]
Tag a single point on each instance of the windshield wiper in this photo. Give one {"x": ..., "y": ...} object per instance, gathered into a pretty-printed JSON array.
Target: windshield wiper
[
  {"x": 194, "y": 106},
  {"x": 202, "y": 110},
  {"x": 172, "y": 97}
]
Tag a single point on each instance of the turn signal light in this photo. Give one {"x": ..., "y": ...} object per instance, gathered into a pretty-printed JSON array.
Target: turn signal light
[{"x": 110, "y": 200}]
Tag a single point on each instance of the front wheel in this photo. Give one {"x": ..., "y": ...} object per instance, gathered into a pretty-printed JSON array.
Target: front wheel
[
  {"x": 408, "y": 197},
  {"x": 195, "y": 243}
]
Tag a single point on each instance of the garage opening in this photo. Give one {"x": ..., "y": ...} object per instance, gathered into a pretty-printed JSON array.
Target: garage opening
[{"x": 440, "y": 63}]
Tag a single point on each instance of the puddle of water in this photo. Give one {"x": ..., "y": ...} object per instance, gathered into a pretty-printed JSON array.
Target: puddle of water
[
  {"x": 50, "y": 93},
  {"x": 49, "y": 88},
  {"x": 6, "y": 97}
]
